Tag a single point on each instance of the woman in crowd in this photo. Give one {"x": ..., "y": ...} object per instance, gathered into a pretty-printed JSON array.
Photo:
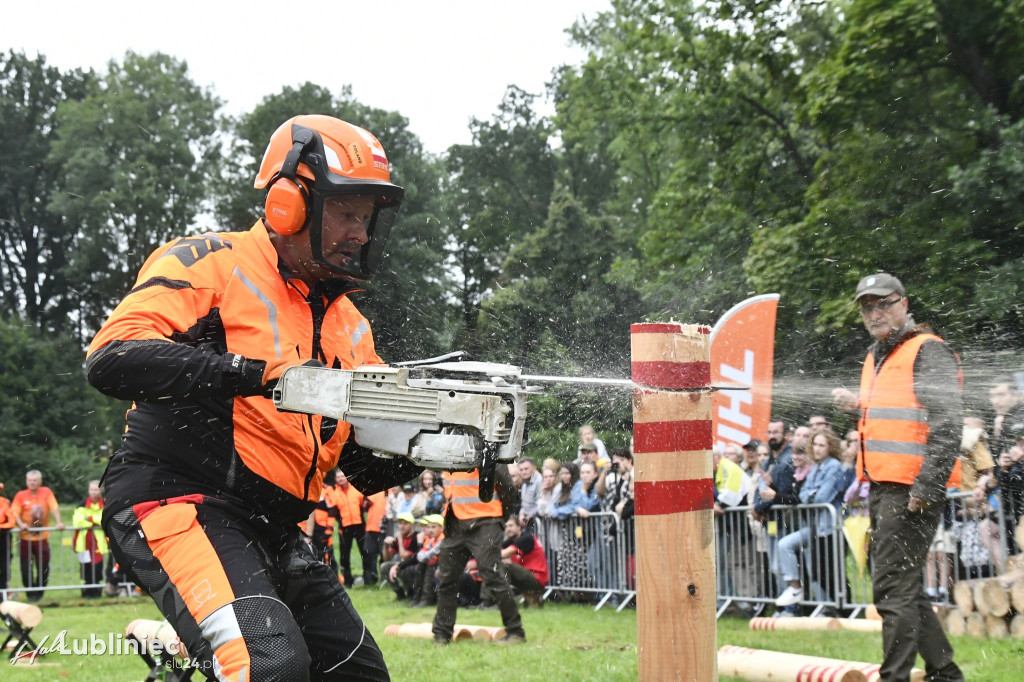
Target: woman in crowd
[
  {"x": 822, "y": 478},
  {"x": 547, "y": 529},
  {"x": 574, "y": 494},
  {"x": 431, "y": 492}
]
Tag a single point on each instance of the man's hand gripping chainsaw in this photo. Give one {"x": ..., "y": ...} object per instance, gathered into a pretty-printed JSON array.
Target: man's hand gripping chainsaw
[{"x": 455, "y": 416}]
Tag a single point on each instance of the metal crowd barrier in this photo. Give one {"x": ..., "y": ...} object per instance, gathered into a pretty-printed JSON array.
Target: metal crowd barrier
[
  {"x": 592, "y": 555},
  {"x": 50, "y": 565},
  {"x": 595, "y": 555}
]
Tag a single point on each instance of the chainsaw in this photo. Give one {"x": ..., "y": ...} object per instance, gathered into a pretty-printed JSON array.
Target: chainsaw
[{"x": 442, "y": 413}]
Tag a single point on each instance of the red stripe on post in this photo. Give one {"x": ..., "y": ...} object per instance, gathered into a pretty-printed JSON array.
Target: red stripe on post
[
  {"x": 658, "y": 374},
  {"x": 662, "y": 328},
  {"x": 680, "y": 436},
  {"x": 655, "y": 498}
]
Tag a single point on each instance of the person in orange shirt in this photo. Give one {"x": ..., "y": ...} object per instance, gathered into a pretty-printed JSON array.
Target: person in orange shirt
[
  {"x": 373, "y": 540},
  {"x": 350, "y": 505},
  {"x": 32, "y": 508},
  {"x": 6, "y": 523}
]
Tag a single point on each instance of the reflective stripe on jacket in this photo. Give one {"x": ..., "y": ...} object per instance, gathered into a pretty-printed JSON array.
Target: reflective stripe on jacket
[
  {"x": 894, "y": 425},
  {"x": 461, "y": 493}
]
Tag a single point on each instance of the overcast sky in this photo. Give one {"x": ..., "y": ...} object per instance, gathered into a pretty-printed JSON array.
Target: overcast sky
[{"x": 437, "y": 63}]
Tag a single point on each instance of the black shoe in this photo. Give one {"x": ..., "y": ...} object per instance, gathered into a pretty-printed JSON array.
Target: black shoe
[
  {"x": 488, "y": 605},
  {"x": 514, "y": 637},
  {"x": 440, "y": 640}
]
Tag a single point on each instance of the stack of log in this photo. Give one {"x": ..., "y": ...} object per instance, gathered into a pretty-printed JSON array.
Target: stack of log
[{"x": 988, "y": 607}]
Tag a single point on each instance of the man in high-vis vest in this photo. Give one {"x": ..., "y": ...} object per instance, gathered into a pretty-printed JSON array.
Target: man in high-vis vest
[
  {"x": 476, "y": 529},
  {"x": 910, "y": 426}
]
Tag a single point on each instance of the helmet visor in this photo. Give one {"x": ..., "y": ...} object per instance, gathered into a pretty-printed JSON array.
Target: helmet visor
[{"x": 365, "y": 261}]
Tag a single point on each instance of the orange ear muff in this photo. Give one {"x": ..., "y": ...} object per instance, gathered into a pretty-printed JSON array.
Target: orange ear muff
[{"x": 285, "y": 207}]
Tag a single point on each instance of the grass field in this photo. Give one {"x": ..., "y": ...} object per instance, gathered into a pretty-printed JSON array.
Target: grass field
[{"x": 567, "y": 643}]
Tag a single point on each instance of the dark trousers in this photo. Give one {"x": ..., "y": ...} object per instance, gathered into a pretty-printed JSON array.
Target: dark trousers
[
  {"x": 247, "y": 598},
  {"x": 5, "y": 558},
  {"x": 480, "y": 538},
  {"x": 92, "y": 573},
  {"x": 373, "y": 544},
  {"x": 348, "y": 536},
  {"x": 34, "y": 554},
  {"x": 899, "y": 546},
  {"x": 522, "y": 579}
]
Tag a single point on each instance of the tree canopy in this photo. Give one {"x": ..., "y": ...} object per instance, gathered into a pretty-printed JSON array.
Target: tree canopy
[{"x": 703, "y": 152}]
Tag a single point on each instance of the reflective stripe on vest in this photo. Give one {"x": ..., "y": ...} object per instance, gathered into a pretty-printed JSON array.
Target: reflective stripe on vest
[
  {"x": 894, "y": 425},
  {"x": 461, "y": 490}
]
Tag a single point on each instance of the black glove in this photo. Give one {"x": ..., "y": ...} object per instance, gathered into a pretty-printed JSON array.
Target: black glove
[{"x": 259, "y": 377}]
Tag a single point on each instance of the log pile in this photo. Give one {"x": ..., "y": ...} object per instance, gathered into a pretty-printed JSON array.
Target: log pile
[{"x": 989, "y": 607}]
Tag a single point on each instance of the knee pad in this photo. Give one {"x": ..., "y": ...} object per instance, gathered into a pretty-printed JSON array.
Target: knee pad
[{"x": 273, "y": 643}]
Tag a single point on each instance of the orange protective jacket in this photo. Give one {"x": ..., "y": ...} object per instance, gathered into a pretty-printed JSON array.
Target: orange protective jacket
[
  {"x": 460, "y": 492},
  {"x": 377, "y": 511},
  {"x": 349, "y": 503},
  {"x": 6, "y": 515},
  {"x": 183, "y": 344},
  {"x": 894, "y": 425}
]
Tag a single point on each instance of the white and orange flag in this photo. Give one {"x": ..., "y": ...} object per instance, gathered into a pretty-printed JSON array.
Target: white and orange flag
[{"x": 743, "y": 352}]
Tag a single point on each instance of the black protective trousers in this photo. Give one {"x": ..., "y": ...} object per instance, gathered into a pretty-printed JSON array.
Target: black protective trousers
[
  {"x": 899, "y": 548},
  {"x": 250, "y": 601}
]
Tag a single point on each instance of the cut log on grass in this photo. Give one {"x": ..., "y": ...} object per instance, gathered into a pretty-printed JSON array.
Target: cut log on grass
[
  {"x": 146, "y": 631},
  {"x": 425, "y": 631},
  {"x": 996, "y": 627},
  {"x": 859, "y": 625},
  {"x": 26, "y": 615},
  {"x": 759, "y": 665},
  {"x": 976, "y": 625},
  {"x": 1017, "y": 626},
  {"x": 956, "y": 622},
  {"x": 794, "y": 624}
]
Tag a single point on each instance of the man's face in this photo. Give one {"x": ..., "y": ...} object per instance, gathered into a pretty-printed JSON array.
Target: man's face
[
  {"x": 883, "y": 315},
  {"x": 625, "y": 463},
  {"x": 343, "y": 232},
  {"x": 588, "y": 455},
  {"x": 94, "y": 491},
  {"x": 527, "y": 470},
  {"x": 340, "y": 479},
  {"x": 734, "y": 453},
  {"x": 512, "y": 529},
  {"x": 1003, "y": 398},
  {"x": 817, "y": 422},
  {"x": 33, "y": 481},
  {"x": 513, "y": 471},
  {"x": 776, "y": 435},
  {"x": 801, "y": 433}
]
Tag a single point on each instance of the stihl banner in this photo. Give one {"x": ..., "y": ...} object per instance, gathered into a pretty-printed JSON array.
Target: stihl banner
[{"x": 743, "y": 352}]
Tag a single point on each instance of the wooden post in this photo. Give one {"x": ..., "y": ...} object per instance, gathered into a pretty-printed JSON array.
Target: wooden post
[{"x": 674, "y": 495}]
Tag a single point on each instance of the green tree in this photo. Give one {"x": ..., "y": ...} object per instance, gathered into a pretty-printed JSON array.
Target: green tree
[
  {"x": 34, "y": 241},
  {"x": 50, "y": 418},
  {"x": 499, "y": 188},
  {"x": 136, "y": 155}
]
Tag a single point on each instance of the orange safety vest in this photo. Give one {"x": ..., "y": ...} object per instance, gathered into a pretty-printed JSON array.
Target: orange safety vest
[
  {"x": 461, "y": 493},
  {"x": 6, "y": 515},
  {"x": 377, "y": 511},
  {"x": 894, "y": 425},
  {"x": 428, "y": 545},
  {"x": 349, "y": 503}
]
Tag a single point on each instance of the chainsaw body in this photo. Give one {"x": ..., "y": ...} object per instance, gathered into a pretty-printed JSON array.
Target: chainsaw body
[{"x": 455, "y": 416}]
